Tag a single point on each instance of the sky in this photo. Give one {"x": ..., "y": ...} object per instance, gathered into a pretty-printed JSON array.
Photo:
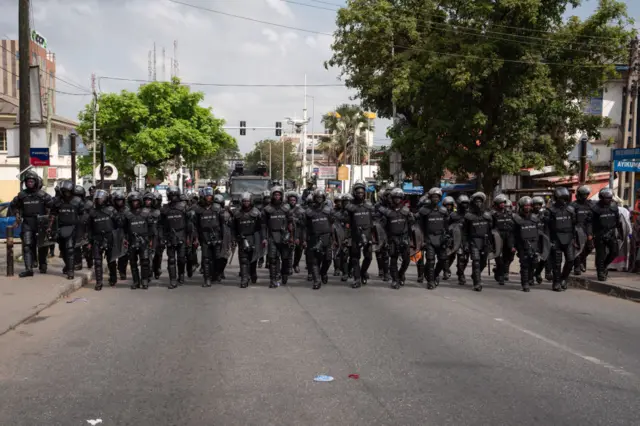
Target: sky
[{"x": 112, "y": 38}]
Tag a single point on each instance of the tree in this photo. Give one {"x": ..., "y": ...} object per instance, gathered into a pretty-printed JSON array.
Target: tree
[
  {"x": 480, "y": 87},
  {"x": 346, "y": 125},
  {"x": 260, "y": 152},
  {"x": 159, "y": 126},
  {"x": 217, "y": 167}
]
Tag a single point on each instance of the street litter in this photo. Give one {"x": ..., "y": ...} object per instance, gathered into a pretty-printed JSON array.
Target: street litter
[
  {"x": 323, "y": 378},
  {"x": 354, "y": 376},
  {"x": 79, "y": 299},
  {"x": 94, "y": 422}
]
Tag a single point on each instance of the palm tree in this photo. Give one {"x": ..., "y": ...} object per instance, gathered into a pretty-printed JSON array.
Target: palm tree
[{"x": 347, "y": 143}]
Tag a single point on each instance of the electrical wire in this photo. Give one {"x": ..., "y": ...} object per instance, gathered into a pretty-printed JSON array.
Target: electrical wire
[
  {"x": 71, "y": 94},
  {"x": 135, "y": 80},
  {"x": 397, "y": 46},
  {"x": 308, "y": 5}
]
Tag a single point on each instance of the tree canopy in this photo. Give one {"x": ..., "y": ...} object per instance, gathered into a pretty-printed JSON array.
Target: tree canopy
[
  {"x": 345, "y": 124},
  {"x": 480, "y": 87},
  {"x": 260, "y": 152},
  {"x": 157, "y": 126}
]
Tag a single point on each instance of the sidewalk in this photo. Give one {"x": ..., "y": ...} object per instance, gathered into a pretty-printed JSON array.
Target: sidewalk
[
  {"x": 23, "y": 298},
  {"x": 624, "y": 285}
]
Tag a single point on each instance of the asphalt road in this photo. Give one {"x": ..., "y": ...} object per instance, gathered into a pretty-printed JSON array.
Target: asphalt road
[{"x": 230, "y": 356}]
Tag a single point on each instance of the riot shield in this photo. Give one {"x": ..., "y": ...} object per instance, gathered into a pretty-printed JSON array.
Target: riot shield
[
  {"x": 379, "y": 237},
  {"x": 339, "y": 233},
  {"x": 81, "y": 231},
  {"x": 118, "y": 249},
  {"x": 626, "y": 231},
  {"x": 580, "y": 240},
  {"x": 545, "y": 246},
  {"x": 256, "y": 244},
  {"x": 417, "y": 240},
  {"x": 456, "y": 238},
  {"x": 46, "y": 239},
  {"x": 496, "y": 247}
]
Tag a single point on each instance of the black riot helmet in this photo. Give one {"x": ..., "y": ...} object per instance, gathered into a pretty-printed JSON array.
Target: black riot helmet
[
  {"x": 606, "y": 196},
  {"x": 218, "y": 199},
  {"x": 396, "y": 195},
  {"x": 79, "y": 191},
  {"x": 435, "y": 195},
  {"x": 292, "y": 198},
  {"x": 478, "y": 199},
  {"x": 337, "y": 200},
  {"x": 208, "y": 193},
  {"x": 117, "y": 198},
  {"x": 583, "y": 192},
  {"x": 359, "y": 190},
  {"x": 173, "y": 193},
  {"x": 92, "y": 191},
  {"x": 319, "y": 196},
  {"x": 100, "y": 197},
  {"x": 66, "y": 189},
  {"x": 158, "y": 201},
  {"x": 449, "y": 203},
  {"x": 525, "y": 204},
  {"x": 463, "y": 202},
  {"x": 245, "y": 201},
  {"x": 562, "y": 195},
  {"x": 134, "y": 199},
  {"x": 500, "y": 201},
  {"x": 149, "y": 199},
  {"x": 346, "y": 199},
  {"x": 537, "y": 203},
  {"x": 39, "y": 183},
  {"x": 30, "y": 179},
  {"x": 276, "y": 194}
]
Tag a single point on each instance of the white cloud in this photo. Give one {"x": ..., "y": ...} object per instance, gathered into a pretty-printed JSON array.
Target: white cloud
[
  {"x": 281, "y": 7},
  {"x": 212, "y": 48}
]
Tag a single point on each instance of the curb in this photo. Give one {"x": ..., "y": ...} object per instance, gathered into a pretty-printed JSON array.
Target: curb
[
  {"x": 65, "y": 290},
  {"x": 608, "y": 288}
]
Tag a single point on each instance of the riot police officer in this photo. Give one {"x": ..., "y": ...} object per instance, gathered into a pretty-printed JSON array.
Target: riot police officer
[
  {"x": 434, "y": 223},
  {"x": 297, "y": 213},
  {"x": 102, "y": 221},
  {"x": 318, "y": 238},
  {"x": 582, "y": 207},
  {"x": 30, "y": 204},
  {"x": 462, "y": 255},
  {"x": 503, "y": 223},
  {"x": 68, "y": 209},
  {"x": 360, "y": 217},
  {"x": 266, "y": 200},
  {"x": 541, "y": 211},
  {"x": 148, "y": 202},
  {"x": 527, "y": 231},
  {"x": 477, "y": 237},
  {"x": 81, "y": 231},
  {"x": 340, "y": 225},
  {"x": 606, "y": 220},
  {"x": 249, "y": 234},
  {"x": 118, "y": 201},
  {"x": 398, "y": 220},
  {"x": 208, "y": 223},
  {"x": 159, "y": 248},
  {"x": 382, "y": 254},
  {"x": 278, "y": 225},
  {"x": 175, "y": 222},
  {"x": 139, "y": 226},
  {"x": 448, "y": 203},
  {"x": 225, "y": 249},
  {"x": 560, "y": 222}
]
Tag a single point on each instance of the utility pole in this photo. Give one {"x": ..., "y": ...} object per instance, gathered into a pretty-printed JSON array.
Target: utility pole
[
  {"x": 283, "y": 164},
  {"x": 629, "y": 113},
  {"x": 25, "y": 84},
  {"x": 72, "y": 139},
  {"x": 304, "y": 136},
  {"x": 45, "y": 172},
  {"x": 95, "y": 114}
]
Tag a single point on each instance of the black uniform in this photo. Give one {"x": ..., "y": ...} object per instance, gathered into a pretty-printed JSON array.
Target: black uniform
[
  {"x": 360, "y": 217},
  {"x": 434, "y": 222},
  {"x": 297, "y": 215},
  {"x": 503, "y": 223},
  {"x": 120, "y": 207},
  {"x": 606, "y": 220},
  {"x": 477, "y": 236},
  {"x": 175, "y": 225},
  {"x": 462, "y": 256},
  {"x": 561, "y": 221},
  {"x": 278, "y": 224},
  {"x": 208, "y": 224},
  {"x": 248, "y": 228},
  {"x": 69, "y": 211},
  {"x": 527, "y": 231},
  {"x": 318, "y": 236},
  {"x": 160, "y": 243},
  {"x": 140, "y": 232},
  {"x": 101, "y": 223},
  {"x": 398, "y": 221},
  {"x": 583, "y": 211},
  {"x": 29, "y": 204},
  {"x": 82, "y": 240},
  {"x": 382, "y": 255}
]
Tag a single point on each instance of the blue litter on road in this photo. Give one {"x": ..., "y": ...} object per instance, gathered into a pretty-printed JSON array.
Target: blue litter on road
[
  {"x": 78, "y": 299},
  {"x": 323, "y": 379}
]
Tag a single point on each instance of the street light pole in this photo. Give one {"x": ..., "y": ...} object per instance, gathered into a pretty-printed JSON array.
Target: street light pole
[{"x": 304, "y": 136}]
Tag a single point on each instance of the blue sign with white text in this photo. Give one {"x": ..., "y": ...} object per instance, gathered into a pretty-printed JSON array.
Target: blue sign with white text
[
  {"x": 626, "y": 166},
  {"x": 39, "y": 156},
  {"x": 626, "y": 154}
]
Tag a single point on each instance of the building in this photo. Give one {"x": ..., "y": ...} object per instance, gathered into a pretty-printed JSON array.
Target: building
[{"x": 39, "y": 55}]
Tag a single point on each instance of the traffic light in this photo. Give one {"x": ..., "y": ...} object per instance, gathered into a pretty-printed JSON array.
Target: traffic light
[
  {"x": 243, "y": 128},
  {"x": 278, "y": 128}
]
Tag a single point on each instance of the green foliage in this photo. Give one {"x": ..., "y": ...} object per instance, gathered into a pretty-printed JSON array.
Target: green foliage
[
  {"x": 216, "y": 167},
  {"x": 343, "y": 124},
  {"x": 260, "y": 152},
  {"x": 480, "y": 87},
  {"x": 84, "y": 165},
  {"x": 155, "y": 126}
]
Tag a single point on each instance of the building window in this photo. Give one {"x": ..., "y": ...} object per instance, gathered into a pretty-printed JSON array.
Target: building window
[
  {"x": 3, "y": 139},
  {"x": 60, "y": 143}
]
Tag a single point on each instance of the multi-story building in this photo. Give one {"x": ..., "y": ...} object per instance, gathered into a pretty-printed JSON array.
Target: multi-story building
[{"x": 39, "y": 55}]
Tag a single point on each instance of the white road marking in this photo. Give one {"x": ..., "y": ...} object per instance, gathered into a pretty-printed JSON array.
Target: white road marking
[{"x": 567, "y": 349}]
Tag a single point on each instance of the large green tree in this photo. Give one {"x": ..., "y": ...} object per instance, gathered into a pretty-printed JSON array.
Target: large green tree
[
  {"x": 483, "y": 87},
  {"x": 260, "y": 152},
  {"x": 217, "y": 166},
  {"x": 347, "y": 141},
  {"x": 159, "y": 125}
]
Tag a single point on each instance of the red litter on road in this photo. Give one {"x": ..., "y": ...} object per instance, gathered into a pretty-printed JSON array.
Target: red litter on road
[{"x": 354, "y": 376}]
